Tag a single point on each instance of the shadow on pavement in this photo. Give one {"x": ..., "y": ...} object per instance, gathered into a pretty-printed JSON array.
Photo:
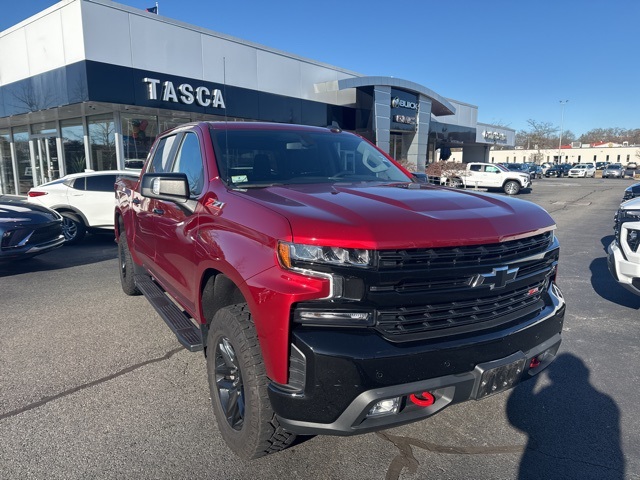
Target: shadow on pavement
[
  {"x": 92, "y": 249},
  {"x": 573, "y": 429},
  {"x": 605, "y": 285}
]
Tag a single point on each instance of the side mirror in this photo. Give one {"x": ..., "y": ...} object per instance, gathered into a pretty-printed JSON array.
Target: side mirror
[
  {"x": 421, "y": 177},
  {"x": 173, "y": 187}
]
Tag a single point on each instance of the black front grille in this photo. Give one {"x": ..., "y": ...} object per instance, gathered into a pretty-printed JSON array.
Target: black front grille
[
  {"x": 31, "y": 236},
  {"x": 464, "y": 256},
  {"x": 448, "y": 315}
]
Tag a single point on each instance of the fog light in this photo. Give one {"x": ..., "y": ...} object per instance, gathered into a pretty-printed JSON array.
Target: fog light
[{"x": 385, "y": 407}]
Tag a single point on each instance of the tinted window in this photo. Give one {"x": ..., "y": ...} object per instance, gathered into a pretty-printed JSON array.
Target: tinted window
[
  {"x": 160, "y": 162},
  {"x": 189, "y": 162},
  {"x": 263, "y": 157},
  {"x": 77, "y": 183},
  {"x": 101, "y": 183}
]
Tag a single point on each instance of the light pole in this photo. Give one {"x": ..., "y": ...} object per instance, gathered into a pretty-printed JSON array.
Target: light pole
[{"x": 562, "y": 104}]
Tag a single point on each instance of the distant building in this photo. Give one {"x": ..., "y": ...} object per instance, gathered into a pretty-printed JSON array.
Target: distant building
[
  {"x": 573, "y": 153},
  {"x": 89, "y": 84}
]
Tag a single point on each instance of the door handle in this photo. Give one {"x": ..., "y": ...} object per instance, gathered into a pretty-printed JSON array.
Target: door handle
[{"x": 158, "y": 211}]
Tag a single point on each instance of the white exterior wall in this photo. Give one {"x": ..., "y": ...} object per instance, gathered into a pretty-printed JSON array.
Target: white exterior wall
[
  {"x": 570, "y": 155},
  {"x": 54, "y": 38},
  {"x": 155, "y": 43}
]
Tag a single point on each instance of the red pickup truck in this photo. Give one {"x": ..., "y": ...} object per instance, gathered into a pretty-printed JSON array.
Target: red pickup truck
[{"x": 331, "y": 293}]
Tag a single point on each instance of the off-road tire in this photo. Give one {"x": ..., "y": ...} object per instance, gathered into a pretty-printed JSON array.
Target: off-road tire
[
  {"x": 511, "y": 187},
  {"x": 252, "y": 430},
  {"x": 73, "y": 228},
  {"x": 127, "y": 267}
]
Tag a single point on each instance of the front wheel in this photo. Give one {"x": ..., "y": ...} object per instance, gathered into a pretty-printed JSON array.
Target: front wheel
[
  {"x": 73, "y": 228},
  {"x": 238, "y": 386},
  {"x": 511, "y": 187}
]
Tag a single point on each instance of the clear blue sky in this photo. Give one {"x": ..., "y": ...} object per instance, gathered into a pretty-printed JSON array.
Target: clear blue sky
[{"x": 514, "y": 59}]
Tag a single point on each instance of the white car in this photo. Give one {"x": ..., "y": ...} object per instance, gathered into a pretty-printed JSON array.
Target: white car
[
  {"x": 583, "y": 170},
  {"x": 623, "y": 253},
  {"x": 85, "y": 201}
]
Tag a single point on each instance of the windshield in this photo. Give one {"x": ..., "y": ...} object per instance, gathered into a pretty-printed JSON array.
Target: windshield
[{"x": 258, "y": 158}]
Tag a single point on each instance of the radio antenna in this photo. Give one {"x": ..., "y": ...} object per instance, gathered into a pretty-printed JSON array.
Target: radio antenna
[{"x": 226, "y": 120}]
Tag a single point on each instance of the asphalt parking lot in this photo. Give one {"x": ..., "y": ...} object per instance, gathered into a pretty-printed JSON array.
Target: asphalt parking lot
[{"x": 93, "y": 385}]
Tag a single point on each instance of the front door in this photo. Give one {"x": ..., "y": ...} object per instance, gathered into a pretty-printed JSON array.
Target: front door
[
  {"x": 176, "y": 229},
  {"x": 46, "y": 161}
]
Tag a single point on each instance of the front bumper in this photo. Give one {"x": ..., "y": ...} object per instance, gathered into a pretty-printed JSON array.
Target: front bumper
[
  {"x": 349, "y": 371},
  {"x": 624, "y": 264}
]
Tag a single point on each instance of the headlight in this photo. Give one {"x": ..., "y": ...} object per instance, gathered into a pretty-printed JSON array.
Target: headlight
[
  {"x": 292, "y": 254},
  {"x": 628, "y": 215}
]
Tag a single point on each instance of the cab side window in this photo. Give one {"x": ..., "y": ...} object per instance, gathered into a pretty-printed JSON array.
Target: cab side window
[
  {"x": 189, "y": 162},
  {"x": 160, "y": 162},
  {"x": 101, "y": 183}
]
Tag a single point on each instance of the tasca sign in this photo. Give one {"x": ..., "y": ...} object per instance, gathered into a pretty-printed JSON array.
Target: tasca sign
[{"x": 183, "y": 93}]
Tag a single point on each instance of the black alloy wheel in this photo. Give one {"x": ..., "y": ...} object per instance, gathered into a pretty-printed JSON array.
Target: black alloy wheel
[{"x": 229, "y": 383}]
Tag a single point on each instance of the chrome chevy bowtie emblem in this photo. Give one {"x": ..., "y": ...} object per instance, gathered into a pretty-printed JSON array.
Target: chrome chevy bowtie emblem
[{"x": 498, "y": 278}]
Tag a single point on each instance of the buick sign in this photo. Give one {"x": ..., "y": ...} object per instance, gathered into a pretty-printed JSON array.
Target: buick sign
[{"x": 397, "y": 102}]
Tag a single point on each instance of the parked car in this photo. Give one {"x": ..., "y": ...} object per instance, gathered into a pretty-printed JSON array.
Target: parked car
[
  {"x": 517, "y": 167},
  {"x": 613, "y": 170},
  {"x": 582, "y": 170},
  {"x": 632, "y": 191},
  {"x": 623, "y": 254},
  {"x": 535, "y": 170},
  {"x": 632, "y": 166},
  {"x": 85, "y": 201},
  {"x": 601, "y": 165},
  {"x": 545, "y": 166},
  {"x": 559, "y": 170},
  {"x": 27, "y": 230}
]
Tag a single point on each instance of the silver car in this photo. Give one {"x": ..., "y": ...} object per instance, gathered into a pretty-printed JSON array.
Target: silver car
[{"x": 613, "y": 170}]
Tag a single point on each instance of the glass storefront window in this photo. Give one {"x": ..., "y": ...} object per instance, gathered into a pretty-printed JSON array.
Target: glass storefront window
[
  {"x": 166, "y": 123},
  {"x": 138, "y": 134},
  {"x": 43, "y": 128},
  {"x": 102, "y": 141},
  {"x": 23, "y": 157},
  {"x": 7, "y": 184},
  {"x": 72, "y": 134}
]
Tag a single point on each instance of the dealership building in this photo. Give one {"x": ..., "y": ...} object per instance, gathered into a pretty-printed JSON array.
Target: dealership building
[{"x": 70, "y": 101}]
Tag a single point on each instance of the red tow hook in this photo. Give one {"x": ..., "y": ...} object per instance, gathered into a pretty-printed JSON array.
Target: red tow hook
[{"x": 422, "y": 399}]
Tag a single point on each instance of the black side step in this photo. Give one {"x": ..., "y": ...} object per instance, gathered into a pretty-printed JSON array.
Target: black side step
[{"x": 177, "y": 320}]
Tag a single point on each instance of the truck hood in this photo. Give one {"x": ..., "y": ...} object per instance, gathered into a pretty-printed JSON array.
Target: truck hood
[{"x": 395, "y": 216}]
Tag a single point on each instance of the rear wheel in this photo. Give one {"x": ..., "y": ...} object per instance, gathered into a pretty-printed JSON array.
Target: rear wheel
[
  {"x": 511, "y": 187},
  {"x": 238, "y": 385},
  {"x": 73, "y": 228},
  {"x": 127, "y": 267}
]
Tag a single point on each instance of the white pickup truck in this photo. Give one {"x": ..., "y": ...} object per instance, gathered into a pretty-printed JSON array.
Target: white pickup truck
[
  {"x": 623, "y": 253},
  {"x": 490, "y": 176}
]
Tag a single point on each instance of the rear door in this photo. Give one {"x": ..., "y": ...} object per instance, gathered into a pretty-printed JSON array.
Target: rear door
[{"x": 96, "y": 201}]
